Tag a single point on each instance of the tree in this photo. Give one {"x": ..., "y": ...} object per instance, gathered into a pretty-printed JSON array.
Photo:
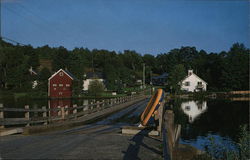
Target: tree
[
  {"x": 43, "y": 79},
  {"x": 235, "y": 69},
  {"x": 175, "y": 76},
  {"x": 96, "y": 88}
]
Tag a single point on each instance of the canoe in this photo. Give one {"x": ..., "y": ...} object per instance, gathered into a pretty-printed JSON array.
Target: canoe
[{"x": 152, "y": 105}]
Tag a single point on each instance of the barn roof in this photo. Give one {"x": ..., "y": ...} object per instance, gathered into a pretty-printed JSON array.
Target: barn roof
[{"x": 66, "y": 72}]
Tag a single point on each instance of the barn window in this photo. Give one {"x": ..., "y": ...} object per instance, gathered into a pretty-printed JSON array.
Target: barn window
[
  {"x": 67, "y": 85},
  {"x": 54, "y": 88},
  {"x": 54, "y": 85},
  {"x": 60, "y": 85},
  {"x": 60, "y": 93},
  {"x": 61, "y": 74}
]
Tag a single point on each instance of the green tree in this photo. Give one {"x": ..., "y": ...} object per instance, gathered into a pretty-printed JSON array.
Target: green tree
[
  {"x": 175, "y": 77},
  {"x": 96, "y": 88},
  {"x": 43, "y": 79},
  {"x": 235, "y": 69}
]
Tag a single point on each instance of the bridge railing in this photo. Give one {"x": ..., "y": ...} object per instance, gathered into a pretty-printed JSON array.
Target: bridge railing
[
  {"x": 63, "y": 113},
  {"x": 171, "y": 135}
]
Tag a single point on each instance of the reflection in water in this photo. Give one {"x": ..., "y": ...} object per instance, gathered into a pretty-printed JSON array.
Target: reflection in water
[
  {"x": 193, "y": 109},
  {"x": 59, "y": 103},
  {"x": 216, "y": 118}
]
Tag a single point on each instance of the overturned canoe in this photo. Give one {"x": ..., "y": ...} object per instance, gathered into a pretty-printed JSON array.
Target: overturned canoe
[{"x": 152, "y": 105}]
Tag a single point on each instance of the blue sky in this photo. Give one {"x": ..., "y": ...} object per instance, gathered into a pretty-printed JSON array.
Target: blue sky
[{"x": 147, "y": 26}]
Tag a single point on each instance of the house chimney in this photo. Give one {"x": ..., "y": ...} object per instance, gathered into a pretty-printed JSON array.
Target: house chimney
[{"x": 190, "y": 72}]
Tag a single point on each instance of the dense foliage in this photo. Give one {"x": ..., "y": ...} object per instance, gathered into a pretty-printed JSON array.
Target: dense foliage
[{"x": 222, "y": 71}]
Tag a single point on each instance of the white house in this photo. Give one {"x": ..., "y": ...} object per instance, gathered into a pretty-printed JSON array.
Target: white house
[
  {"x": 193, "y": 109},
  {"x": 92, "y": 77},
  {"x": 193, "y": 83}
]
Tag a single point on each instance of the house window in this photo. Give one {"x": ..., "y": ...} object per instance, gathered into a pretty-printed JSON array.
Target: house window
[
  {"x": 61, "y": 74},
  {"x": 199, "y": 83},
  {"x": 187, "y": 108},
  {"x": 54, "y": 88},
  {"x": 67, "y": 85},
  {"x": 54, "y": 85},
  {"x": 187, "y": 83},
  {"x": 60, "y": 85}
]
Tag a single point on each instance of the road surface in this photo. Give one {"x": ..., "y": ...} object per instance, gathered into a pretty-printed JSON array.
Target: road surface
[{"x": 100, "y": 140}]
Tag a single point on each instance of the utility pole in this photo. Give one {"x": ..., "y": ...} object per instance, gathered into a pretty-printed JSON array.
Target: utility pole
[
  {"x": 143, "y": 75},
  {"x": 0, "y": 20}
]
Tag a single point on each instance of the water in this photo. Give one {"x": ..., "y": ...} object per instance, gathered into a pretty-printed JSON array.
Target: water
[{"x": 216, "y": 119}]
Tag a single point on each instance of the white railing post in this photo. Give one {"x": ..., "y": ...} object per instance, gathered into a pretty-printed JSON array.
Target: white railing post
[
  {"x": 44, "y": 114},
  {"x": 59, "y": 112},
  {"x": 27, "y": 114},
  {"x": 63, "y": 112},
  {"x": 1, "y": 114}
]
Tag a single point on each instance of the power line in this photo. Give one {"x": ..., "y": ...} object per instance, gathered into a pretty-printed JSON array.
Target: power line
[{"x": 13, "y": 41}]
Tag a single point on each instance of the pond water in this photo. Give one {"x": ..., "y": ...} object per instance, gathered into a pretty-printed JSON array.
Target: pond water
[{"x": 219, "y": 119}]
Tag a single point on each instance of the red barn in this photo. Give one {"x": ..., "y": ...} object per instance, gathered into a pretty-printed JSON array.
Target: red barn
[{"x": 60, "y": 84}]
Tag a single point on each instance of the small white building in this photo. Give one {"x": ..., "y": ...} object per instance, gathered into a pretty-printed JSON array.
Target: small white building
[
  {"x": 193, "y": 83},
  {"x": 92, "y": 77},
  {"x": 193, "y": 109}
]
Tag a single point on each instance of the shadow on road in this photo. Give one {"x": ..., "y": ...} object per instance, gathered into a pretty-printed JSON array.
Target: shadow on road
[{"x": 133, "y": 149}]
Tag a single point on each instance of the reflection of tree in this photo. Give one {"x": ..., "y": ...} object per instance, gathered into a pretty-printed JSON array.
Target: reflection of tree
[{"x": 180, "y": 117}]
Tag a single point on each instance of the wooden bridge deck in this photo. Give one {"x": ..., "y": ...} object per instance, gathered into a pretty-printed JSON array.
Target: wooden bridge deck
[
  {"x": 88, "y": 145},
  {"x": 93, "y": 141}
]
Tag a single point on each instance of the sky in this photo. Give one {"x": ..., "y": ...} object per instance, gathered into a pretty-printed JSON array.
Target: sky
[{"x": 146, "y": 26}]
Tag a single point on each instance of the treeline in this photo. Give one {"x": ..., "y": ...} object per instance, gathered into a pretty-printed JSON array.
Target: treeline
[{"x": 222, "y": 71}]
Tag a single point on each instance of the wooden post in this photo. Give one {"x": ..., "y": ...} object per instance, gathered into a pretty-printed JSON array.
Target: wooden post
[
  {"x": 169, "y": 126},
  {"x": 111, "y": 102},
  {"x": 27, "y": 114},
  {"x": 63, "y": 112},
  {"x": 59, "y": 111},
  {"x": 44, "y": 114},
  {"x": 35, "y": 113},
  {"x": 85, "y": 105},
  {"x": 75, "y": 111},
  {"x": 1, "y": 114},
  {"x": 92, "y": 106},
  {"x": 97, "y": 104},
  {"x": 160, "y": 116}
]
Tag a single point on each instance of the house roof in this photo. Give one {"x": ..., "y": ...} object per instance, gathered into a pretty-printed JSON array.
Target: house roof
[
  {"x": 195, "y": 76},
  {"x": 164, "y": 75},
  {"x": 66, "y": 72},
  {"x": 91, "y": 75}
]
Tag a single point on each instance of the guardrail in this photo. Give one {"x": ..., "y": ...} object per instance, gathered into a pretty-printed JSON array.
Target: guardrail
[
  {"x": 63, "y": 113},
  {"x": 171, "y": 135}
]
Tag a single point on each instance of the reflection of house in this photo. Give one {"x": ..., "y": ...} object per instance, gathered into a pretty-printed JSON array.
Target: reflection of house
[
  {"x": 91, "y": 76},
  {"x": 193, "y": 83},
  {"x": 193, "y": 109},
  {"x": 60, "y": 84},
  {"x": 160, "y": 80}
]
